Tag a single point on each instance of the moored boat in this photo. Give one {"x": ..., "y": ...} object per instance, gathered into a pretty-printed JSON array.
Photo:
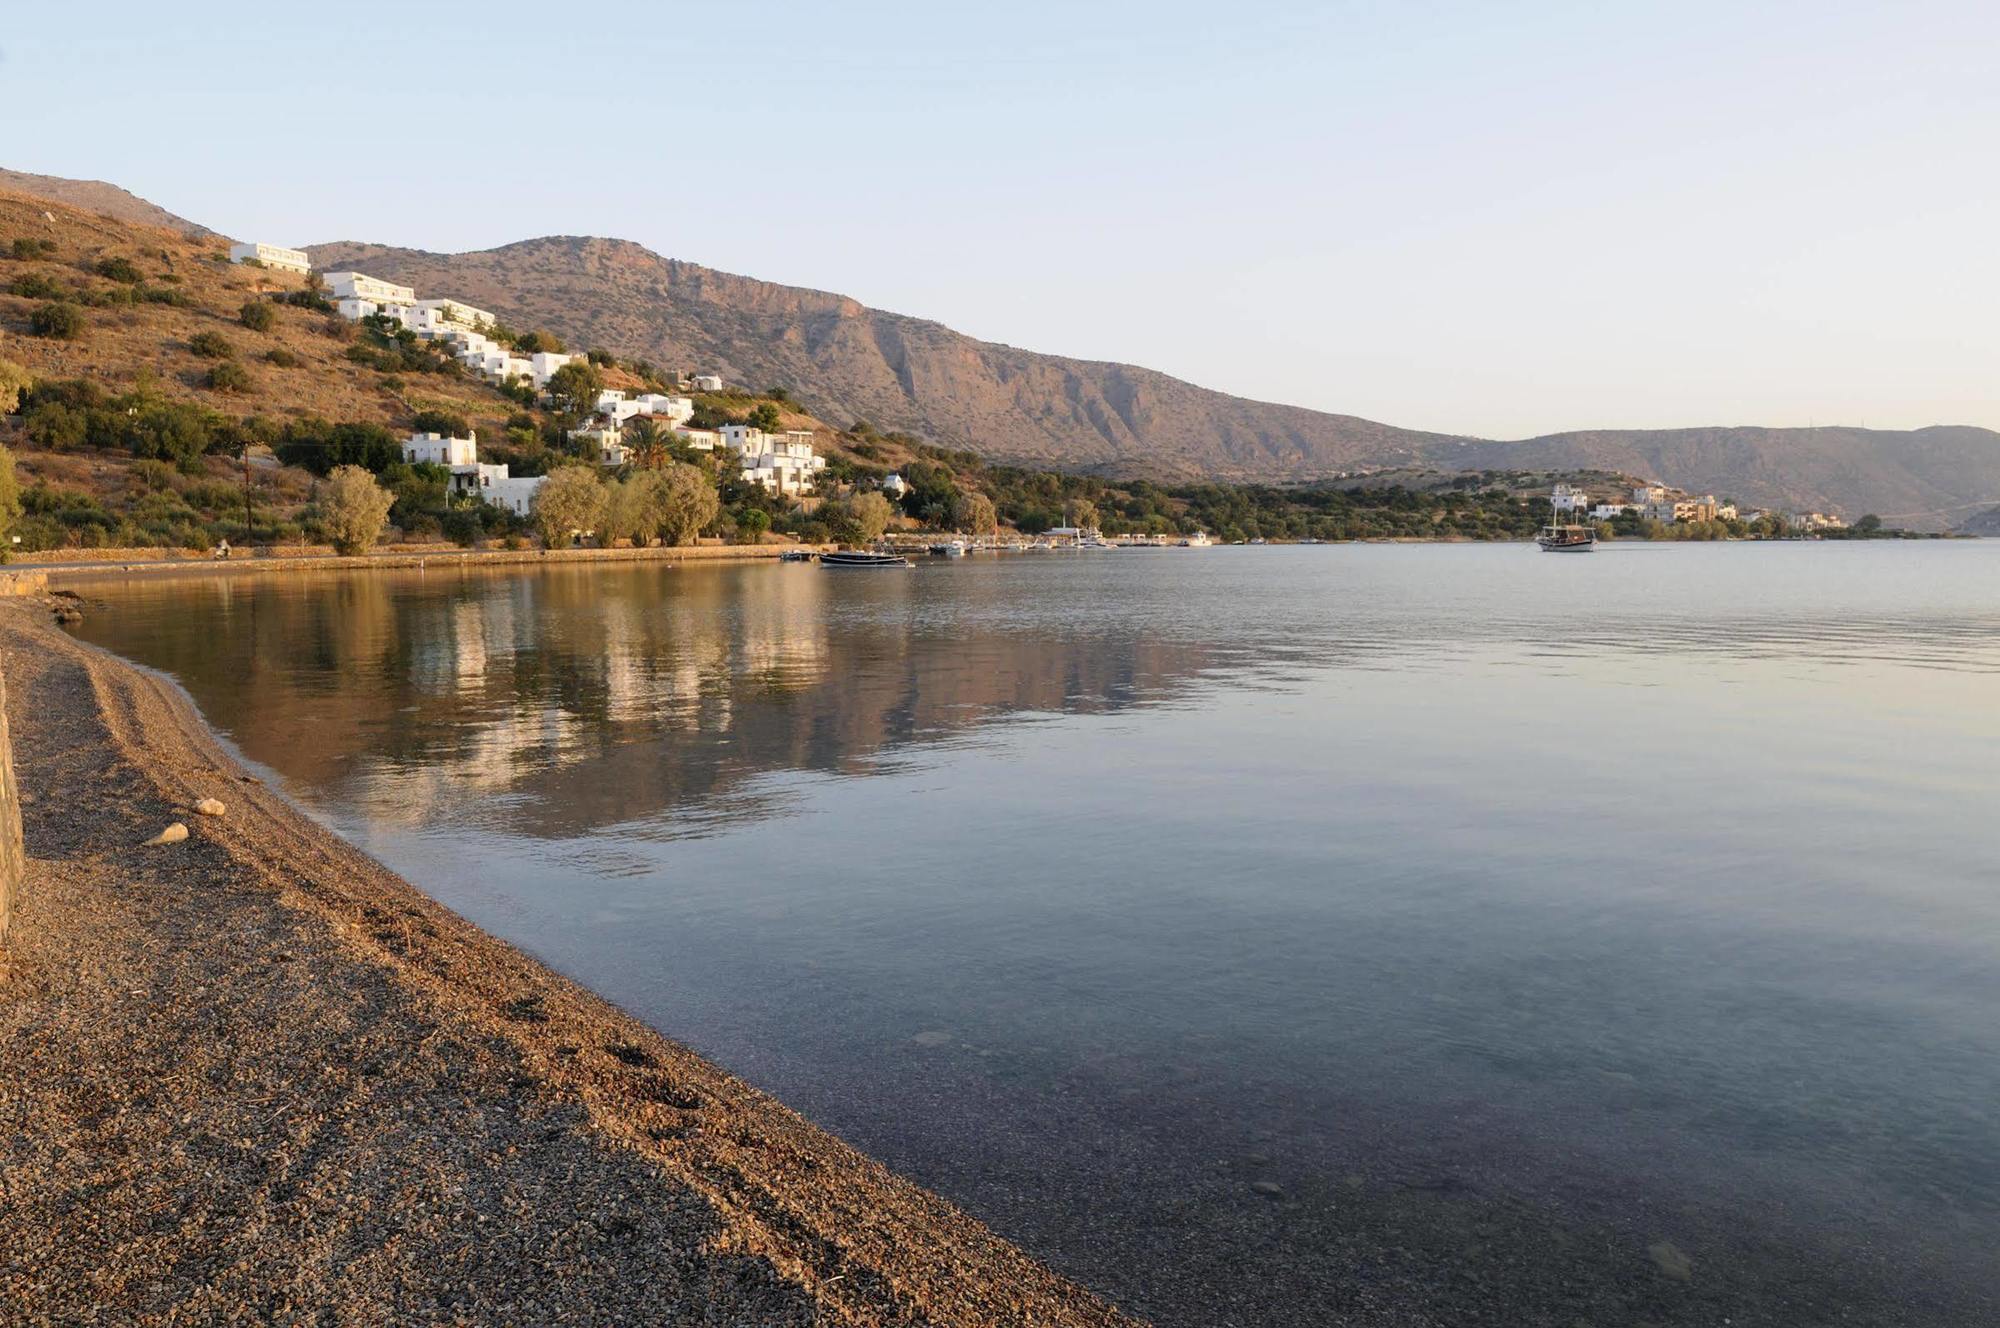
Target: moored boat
[
  {"x": 862, "y": 558},
  {"x": 1567, "y": 539}
]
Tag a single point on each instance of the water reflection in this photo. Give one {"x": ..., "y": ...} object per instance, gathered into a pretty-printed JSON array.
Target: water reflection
[{"x": 557, "y": 703}]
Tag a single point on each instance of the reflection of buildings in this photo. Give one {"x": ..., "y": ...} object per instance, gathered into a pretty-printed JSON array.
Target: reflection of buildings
[{"x": 570, "y": 698}]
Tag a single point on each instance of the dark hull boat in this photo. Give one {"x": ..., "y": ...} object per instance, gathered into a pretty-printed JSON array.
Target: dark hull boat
[{"x": 855, "y": 558}]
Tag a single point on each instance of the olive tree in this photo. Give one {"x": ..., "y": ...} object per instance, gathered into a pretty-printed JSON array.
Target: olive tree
[
  {"x": 857, "y": 519},
  {"x": 354, "y": 508},
  {"x": 688, "y": 502},
  {"x": 973, "y": 513},
  {"x": 573, "y": 389},
  {"x": 570, "y": 502}
]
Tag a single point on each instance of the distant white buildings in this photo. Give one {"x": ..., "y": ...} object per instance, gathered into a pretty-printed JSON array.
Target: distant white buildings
[
  {"x": 271, "y": 255},
  {"x": 895, "y": 486},
  {"x": 708, "y": 382},
  {"x": 359, "y": 286},
  {"x": 1568, "y": 501}
]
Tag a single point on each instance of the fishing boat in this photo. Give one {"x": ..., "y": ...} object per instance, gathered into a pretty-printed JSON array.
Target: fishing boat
[
  {"x": 949, "y": 549},
  {"x": 1198, "y": 540},
  {"x": 862, "y": 558},
  {"x": 1567, "y": 539}
]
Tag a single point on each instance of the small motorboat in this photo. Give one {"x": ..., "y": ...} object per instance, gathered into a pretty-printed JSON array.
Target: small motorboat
[
  {"x": 949, "y": 549},
  {"x": 1567, "y": 539},
  {"x": 862, "y": 558},
  {"x": 796, "y": 556}
]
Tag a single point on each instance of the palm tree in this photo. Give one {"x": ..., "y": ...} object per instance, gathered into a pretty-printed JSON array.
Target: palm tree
[{"x": 648, "y": 441}]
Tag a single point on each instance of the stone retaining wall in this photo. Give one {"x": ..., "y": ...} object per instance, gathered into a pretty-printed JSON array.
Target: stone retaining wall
[{"x": 13, "y": 857}]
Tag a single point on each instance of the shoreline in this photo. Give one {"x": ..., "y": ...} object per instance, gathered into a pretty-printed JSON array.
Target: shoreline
[{"x": 285, "y": 958}]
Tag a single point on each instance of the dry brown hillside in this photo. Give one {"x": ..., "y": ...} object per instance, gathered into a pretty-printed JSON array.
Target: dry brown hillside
[
  {"x": 125, "y": 344},
  {"x": 96, "y": 196}
]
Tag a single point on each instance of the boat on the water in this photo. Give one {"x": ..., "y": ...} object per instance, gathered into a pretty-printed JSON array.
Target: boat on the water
[
  {"x": 796, "y": 556},
  {"x": 1567, "y": 539},
  {"x": 861, "y": 558},
  {"x": 949, "y": 549},
  {"x": 1198, "y": 540}
]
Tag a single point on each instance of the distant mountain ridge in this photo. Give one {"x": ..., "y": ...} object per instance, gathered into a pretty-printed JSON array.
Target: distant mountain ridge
[{"x": 846, "y": 361}]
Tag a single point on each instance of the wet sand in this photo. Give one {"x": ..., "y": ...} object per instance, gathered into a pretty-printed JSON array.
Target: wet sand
[{"x": 256, "y": 1077}]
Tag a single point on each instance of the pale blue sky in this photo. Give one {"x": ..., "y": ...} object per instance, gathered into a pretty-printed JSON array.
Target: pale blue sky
[{"x": 1498, "y": 219}]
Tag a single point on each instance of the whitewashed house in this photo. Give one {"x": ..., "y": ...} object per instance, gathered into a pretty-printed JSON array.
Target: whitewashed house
[
  {"x": 701, "y": 440},
  {"x": 477, "y": 479},
  {"x": 781, "y": 463},
  {"x": 542, "y": 366},
  {"x": 1606, "y": 511},
  {"x": 271, "y": 255},
  {"x": 1567, "y": 500},
  {"x": 516, "y": 493},
  {"x": 359, "y": 286},
  {"x": 606, "y": 442},
  {"x": 895, "y": 486},
  {"x": 437, "y": 450},
  {"x": 708, "y": 382},
  {"x": 438, "y": 315},
  {"x": 674, "y": 410}
]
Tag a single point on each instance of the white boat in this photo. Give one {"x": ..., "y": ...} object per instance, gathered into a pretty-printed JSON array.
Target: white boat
[
  {"x": 950, "y": 549},
  {"x": 1567, "y": 539},
  {"x": 1198, "y": 540}
]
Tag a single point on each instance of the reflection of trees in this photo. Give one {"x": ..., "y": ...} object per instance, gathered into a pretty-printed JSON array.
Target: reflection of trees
[{"x": 573, "y": 697}]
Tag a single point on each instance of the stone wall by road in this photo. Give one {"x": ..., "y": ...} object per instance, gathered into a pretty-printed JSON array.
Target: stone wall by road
[{"x": 13, "y": 858}]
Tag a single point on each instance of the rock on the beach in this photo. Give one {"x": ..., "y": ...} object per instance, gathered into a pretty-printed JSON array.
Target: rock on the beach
[
  {"x": 173, "y": 834},
  {"x": 1667, "y": 1257},
  {"x": 210, "y": 807},
  {"x": 1270, "y": 1189}
]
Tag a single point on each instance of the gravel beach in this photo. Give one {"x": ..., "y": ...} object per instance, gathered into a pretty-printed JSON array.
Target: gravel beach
[{"x": 252, "y": 1076}]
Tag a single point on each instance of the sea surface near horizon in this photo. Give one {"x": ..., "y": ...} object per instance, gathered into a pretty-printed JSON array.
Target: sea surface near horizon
[{"x": 1350, "y": 934}]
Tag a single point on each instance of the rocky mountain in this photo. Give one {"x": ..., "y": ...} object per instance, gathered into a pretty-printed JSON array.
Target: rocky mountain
[
  {"x": 847, "y": 361},
  {"x": 107, "y": 200}
]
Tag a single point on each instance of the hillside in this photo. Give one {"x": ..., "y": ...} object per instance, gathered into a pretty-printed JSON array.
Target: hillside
[
  {"x": 846, "y": 361},
  {"x": 106, "y": 200}
]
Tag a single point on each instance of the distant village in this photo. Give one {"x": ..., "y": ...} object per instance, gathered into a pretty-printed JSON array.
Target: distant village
[
  {"x": 783, "y": 462},
  {"x": 1657, "y": 502}
]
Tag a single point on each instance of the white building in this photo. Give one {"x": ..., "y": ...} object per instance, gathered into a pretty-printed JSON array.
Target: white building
[
  {"x": 271, "y": 255},
  {"x": 674, "y": 410},
  {"x": 542, "y": 366},
  {"x": 782, "y": 463},
  {"x": 701, "y": 440},
  {"x": 1654, "y": 502},
  {"x": 1568, "y": 500},
  {"x": 441, "y": 314},
  {"x": 437, "y": 450},
  {"x": 477, "y": 478},
  {"x": 895, "y": 486},
  {"x": 708, "y": 382},
  {"x": 356, "y": 285},
  {"x": 606, "y": 442},
  {"x": 1606, "y": 511},
  {"x": 515, "y": 493}
]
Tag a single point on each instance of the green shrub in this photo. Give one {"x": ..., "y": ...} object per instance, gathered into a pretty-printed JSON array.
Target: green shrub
[
  {"x": 258, "y": 315},
  {"x": 154, "y": 475},
  {"x": 228, "y": 376},
  {"x": 179, "y": 299},
  {"x": 602, "y": 358},
  {"x": 26, "y": 250},
  {"x": 211, "y": 346},
  {"x": 444, "y": 422},
  {"x": 38, "y": 286},
  {"x": 281, "y": 357},
  {"x": 57, "y": 320},
  {"x": 176, "y": 431},
  {"x": 15, "y": 380},
  {"x": 120, "y": 269},
  {"x": 462, "y": 528}
]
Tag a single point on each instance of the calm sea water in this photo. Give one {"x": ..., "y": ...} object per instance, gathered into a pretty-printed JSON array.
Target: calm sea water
[{"x": 1373, "y": 935}]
